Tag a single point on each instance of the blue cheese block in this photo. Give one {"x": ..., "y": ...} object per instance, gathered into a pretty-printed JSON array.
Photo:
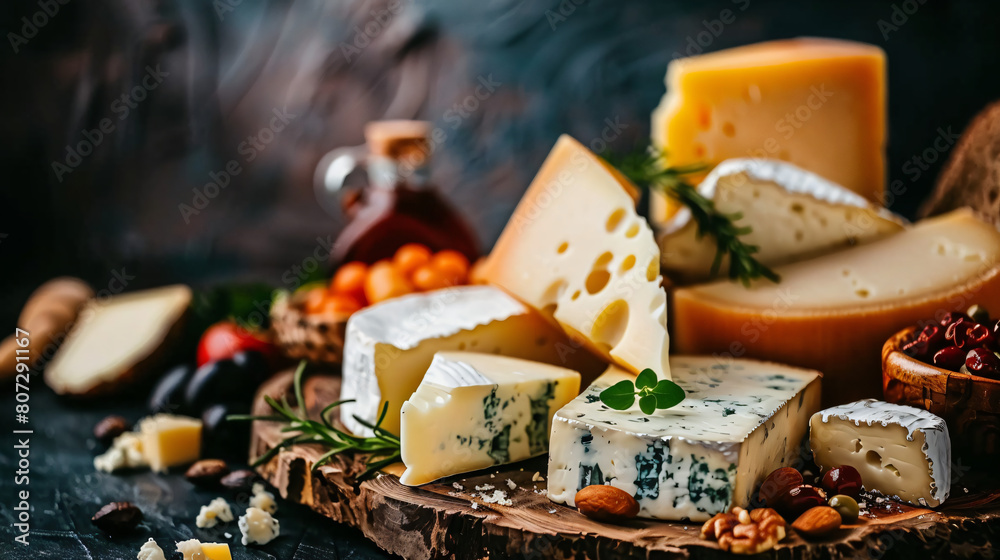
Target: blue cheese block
[{"x": 740, "y": 420}]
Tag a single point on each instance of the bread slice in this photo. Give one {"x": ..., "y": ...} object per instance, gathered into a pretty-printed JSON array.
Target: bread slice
[
  {"x": 116, "y": 340},
  {"x": 971, "y": 177}
]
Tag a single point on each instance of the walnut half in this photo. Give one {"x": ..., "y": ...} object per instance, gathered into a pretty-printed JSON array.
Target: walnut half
[{"x": 745, "y": 532}]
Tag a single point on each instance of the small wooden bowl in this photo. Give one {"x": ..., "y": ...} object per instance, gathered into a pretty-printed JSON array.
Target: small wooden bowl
[
  {"x": 970, "y": 404},
  {"x": 302, "y": 336}
]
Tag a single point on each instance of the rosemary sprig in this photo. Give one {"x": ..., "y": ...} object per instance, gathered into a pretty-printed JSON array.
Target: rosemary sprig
[
  {"x": 645, "y": 168},
  {"x": 382, "y": 446}
]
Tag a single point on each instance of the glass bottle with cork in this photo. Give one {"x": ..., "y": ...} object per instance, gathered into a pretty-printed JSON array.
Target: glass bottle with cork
[{"x": 396, "y": 204}]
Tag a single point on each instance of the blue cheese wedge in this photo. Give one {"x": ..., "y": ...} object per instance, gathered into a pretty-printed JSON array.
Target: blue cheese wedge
[
  {"x": 901, "y": 451},
  {"x": 740, "y": 419},
  {"x": 389, "y": 346},
  {"x": 793, "y": 214},
  {"x": 473, "y": 411}
]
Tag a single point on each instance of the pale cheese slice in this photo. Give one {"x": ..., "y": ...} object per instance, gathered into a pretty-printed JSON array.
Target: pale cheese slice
[
  {"x": 793, "y": 214},
  {"x": 833, "y": 313},
  {"x": 576, "y": 250}
]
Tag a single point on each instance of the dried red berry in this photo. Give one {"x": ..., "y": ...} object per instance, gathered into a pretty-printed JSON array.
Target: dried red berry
[
  {"x": 980, "y": 336},
  {"x": 928, "y": 341},
  {"x": 844, "y": 479},
  {"x": 983, "y": 362},
  {"x": 799, "y": 499},
  {"x": 958, "y": 333},
  {"x": 950, "y": 358},
  {"x": 953, "y": 316}
]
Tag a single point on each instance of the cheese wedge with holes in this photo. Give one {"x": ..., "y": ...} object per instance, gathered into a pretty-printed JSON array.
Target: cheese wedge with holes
[
  {"x": 576, "y": 250},
  {"x": 817, "y": 103},
  {"x": 834, "y": 313},
  {"x": 389, "y": 346},
  {"x": 793, "y": 215},
  {"x": 900, "y": 451},
  {"x": 473, "y": 411},
  {"x": 738, "y": 421}
]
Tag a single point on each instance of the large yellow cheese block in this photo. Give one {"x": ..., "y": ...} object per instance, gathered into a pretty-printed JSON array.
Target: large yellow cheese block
[
  {"x": 835, "y": 312},
  {"x": 576, "y": 250},
  {"x": 817, "y": 103}
]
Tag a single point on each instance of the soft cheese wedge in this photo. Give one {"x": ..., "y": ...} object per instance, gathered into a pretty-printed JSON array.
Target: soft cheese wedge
[
  {"x": 817, "y": 103},
  {"x": 116, "y": 340},
  {"x": 834, "y": 313},
  {"x": 576, "y": 250},
  {"x": 900, "y": 451},
  {"x": 739, "y": 420},
  {"x": 473, "y": 411},
  {"x": 389, "y": 346},
  {"x": 793, "y": 214}
]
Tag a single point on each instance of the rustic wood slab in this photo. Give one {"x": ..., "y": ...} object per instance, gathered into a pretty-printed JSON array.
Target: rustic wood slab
[{"x": 449, "y": 519}]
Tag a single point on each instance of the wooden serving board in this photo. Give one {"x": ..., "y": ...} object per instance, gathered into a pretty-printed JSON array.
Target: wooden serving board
[{"x": 449, "y": 519}]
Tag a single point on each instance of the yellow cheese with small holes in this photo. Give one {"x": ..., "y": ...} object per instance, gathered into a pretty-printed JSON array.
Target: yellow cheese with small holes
[
  {"x": 576, "y": 250},
  {"x": 817, "y": 103},
  {"x": 216, "y": 551},
  {"x": 834, "y": 313},
  {"x": 170, "y": 441}
]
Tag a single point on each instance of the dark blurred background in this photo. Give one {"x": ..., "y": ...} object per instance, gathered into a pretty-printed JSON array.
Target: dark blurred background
[{"x": 210, "y": 73}]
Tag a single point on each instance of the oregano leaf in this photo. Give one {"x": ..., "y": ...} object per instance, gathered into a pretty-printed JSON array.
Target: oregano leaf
[
  {"x": 645, "y": 379},
  {"x": 667, "y": 394},
  {"x": 619, "y": 396},
  {"x": 647, "y": 404}
]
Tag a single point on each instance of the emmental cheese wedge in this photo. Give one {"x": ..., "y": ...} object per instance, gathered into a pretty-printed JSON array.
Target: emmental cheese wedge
[
  {"x": 817, "y": 103},
  {"x": 900, "y": 451},
  {"x": 793, "y": 214},
  {"x": 576, "y": 250},
  {"x": 389, "y": 346},
  {"x": 473, "y": 411},
  {"x": 835, "y": 312},
  {"x": 738, "y": 422}
]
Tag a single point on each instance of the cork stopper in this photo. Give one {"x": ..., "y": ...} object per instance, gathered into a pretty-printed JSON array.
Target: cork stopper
[{"x": 401, "y": 140}]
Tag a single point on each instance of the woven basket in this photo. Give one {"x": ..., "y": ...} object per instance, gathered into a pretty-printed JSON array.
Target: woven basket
[{"x": 317, "y": 338}]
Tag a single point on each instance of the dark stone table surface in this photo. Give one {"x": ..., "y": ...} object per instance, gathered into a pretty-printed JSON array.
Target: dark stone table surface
[{"x": 65, "y": 491}]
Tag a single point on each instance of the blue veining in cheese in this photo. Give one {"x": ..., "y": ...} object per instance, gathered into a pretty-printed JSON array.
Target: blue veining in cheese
[{"x": 738, "y": 421}]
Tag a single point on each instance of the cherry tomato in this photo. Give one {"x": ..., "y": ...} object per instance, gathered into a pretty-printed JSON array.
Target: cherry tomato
[
  {"x": 224, "y": 339},
  {"x": 350, "y": 279},
  {"x": 339, "y": 304},
  {"x": 427, "y": 278},
  {"x": 384, "y": 282},
  {"x": 314, "y": 300},
  {"x": 452, "y": 265},
  {"x": 410, "y": 257}
]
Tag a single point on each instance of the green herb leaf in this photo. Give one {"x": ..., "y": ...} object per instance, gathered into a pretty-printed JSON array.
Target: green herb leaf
[
  {"x": 645, "y": 167},
  {"x": 619, "y": 396},
  {"x": 383, "y": 446},
  {"x": 667, "y": 394},
  {"x": 646, "y": 378},
  {"x": 647, "y": 404}
]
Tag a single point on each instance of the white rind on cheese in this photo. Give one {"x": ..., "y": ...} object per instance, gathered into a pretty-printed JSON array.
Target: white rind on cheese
[
  {"x": 900, "y": 451},
  {"x": 576, "y": 250},
  {"x": 793, "y": 214},
  {"x": 739, "y": 421},
  {"x": 389, "y": 346},
  {"x": 473, "y": 411}
]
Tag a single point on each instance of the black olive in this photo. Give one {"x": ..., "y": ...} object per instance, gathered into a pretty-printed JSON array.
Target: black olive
[
  {"x": 219, "y": 381},
  {"x": 168, "y": 394},
  {"x": 225, "y": 438},
  {"x": 254, "y": 364}
]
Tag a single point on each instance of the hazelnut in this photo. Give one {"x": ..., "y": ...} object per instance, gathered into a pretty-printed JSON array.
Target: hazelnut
[
  {"x": 111, "y": 427},
  {"x": 207, "y": 472},
  {"x": 117, "y": 518}
]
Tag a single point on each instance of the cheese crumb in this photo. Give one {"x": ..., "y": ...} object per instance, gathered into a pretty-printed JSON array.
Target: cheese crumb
[
  {"x": 151, "y": 551},
  {"x": 492, "y": 475},
  {"x": 258, "y": 527},
  {"x": 262, "y": 499},
  {"x": 498, "y": 497},
  {"x": 485, "y": 487},
  {"x": 511, "y": 484},
  {"x": 475, "y": 505},
  {"x": 217, "y": 510},
  {"x": 457, "y": 486},
  {"x": 191, "y": 550},
  {"x": 552, "y": 510},
  {"x": 537, "y": 477},
  {"x": 125, "y": 453}
]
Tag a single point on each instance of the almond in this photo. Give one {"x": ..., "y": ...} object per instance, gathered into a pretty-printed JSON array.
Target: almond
[
  {"x": 207, "y": 472},
  {"x": 817, "y": 521},
  {"x": 606, "y": 503}
]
